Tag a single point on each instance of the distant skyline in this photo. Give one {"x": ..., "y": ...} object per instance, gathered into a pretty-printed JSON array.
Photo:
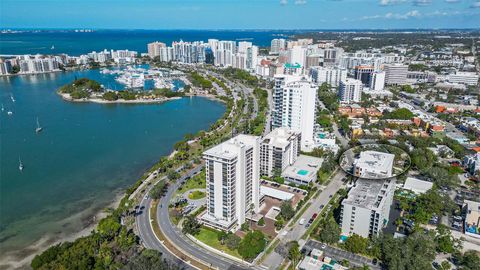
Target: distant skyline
[{"x": 240, "y": 14}]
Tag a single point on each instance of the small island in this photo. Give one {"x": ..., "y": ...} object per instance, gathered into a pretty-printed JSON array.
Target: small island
[{"x": 87, "y": 90}]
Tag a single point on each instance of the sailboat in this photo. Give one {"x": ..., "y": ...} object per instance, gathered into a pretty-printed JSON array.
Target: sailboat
[
  {"x": 3, "y": 109},
  {"x": 12, "y": 98},
  {"x": 20, "y": 164},
  {"x": 39, "y": 128},
  {"x": 53, "y": 47}
]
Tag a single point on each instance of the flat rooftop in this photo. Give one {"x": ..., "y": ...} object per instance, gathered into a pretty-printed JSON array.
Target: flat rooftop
[
  {"x": 305, "y": 167},
  {"x": 228, "y": 148},
  {"x": 366, "y": 193},
  {"x": 280, "y": 137},
  {"x": 416, "y": 185},
  {"x": 473, "y": 212},
  {"x": 375, "y": 160}
]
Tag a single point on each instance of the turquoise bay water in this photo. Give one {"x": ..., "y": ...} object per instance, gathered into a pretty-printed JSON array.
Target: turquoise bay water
[{"x": 86, "y": 155}]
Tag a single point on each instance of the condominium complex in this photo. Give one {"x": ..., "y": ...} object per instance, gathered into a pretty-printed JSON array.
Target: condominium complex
[
  {"x": 232, "y": 182},
  {"x": 395, "y": 74},
  {"x": 154, "y": 49},
  {"x": 330, "y": 75},
  {"x": 279, "y": 149},
  {"x": 366, "y": 209},
  {"x": 377, "y": 81},
  {"x": 350, "y": 90},
  {"x": 373, "y": 164},
  {"x": 294, "y": 106},
  {"x": 277, "y": 45}
]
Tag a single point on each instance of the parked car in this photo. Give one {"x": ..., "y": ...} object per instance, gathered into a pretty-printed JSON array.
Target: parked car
[{"x": 302, "y": 221}]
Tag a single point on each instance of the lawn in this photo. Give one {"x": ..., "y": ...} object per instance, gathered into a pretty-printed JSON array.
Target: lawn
[
  {"x": 197, "y": 181},
  {"x": 210, "y": 237},
  {"x": 196, "y": 195}
]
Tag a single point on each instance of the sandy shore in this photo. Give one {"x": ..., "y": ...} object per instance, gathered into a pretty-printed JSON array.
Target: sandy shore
[
  {"x": 67, "y": 97},
  {"x": 21, "y": 259}
]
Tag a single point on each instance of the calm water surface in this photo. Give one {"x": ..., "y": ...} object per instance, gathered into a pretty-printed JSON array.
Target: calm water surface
[{"x": 86, "y": 154}]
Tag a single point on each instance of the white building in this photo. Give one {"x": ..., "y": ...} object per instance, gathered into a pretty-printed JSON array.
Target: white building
[
  {"x": 395, "y": 74},
  {"x": 294, "y": 106},
  {"x": 232, "y": 182},
  {"x": 417, "y": 186},
  {"x": 277, "y": 45},
  {"x": 366, "y": 209},
  {"x": 468, "y": 78},
  {"x": 297, "y": 55},
  {"x": 154, "y": 48},
  {"x": 279, "y": 149},
  {"x": 350, "y": 90},
  {"x": 303, "y": 171},
  {"x": 330, "y": 75},
  {"x": 472, "y": 218},
  {"x": 377, "y": 81},
  {"x": 374, "y": 165}
]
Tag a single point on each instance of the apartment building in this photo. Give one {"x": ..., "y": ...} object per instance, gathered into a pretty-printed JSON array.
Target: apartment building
[
  {"x": 366, "y": 209},
  {"x": 294, "y": 106},
  {"x": 232, "y": 182},
  {"x": 279, "y": 149},
  {"x": 373, "y": 165}
]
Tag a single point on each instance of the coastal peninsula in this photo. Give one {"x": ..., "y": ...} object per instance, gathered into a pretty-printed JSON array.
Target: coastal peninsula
[{"x": 87, "y": 90}]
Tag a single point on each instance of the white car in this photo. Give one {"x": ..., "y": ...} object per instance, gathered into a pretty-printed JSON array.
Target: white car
[{"x": 302, "y": 221}]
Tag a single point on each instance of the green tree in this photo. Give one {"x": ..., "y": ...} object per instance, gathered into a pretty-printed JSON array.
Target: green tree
[
  {"x": 158, "y": 190},
  {"x": 329, "y": 231},
  {"x": 173, "y": 175},
  {"x": 401, "y": 113},
  {"x": 232, "y": 241},
  {"x": 149, "y": 259},
  {"x": 356, "y": 244},
  {"x": 251, "y": 245},
  {"x": 286, "y": 210},
  {"x": 110, "y": 96},
  {"x": 191, "y": 226},
  {"x": 294, "y": 252},
  {"x": 109, "y": 227}
]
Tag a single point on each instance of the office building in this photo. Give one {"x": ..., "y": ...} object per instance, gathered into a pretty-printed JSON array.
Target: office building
[
  {"x": 330, "y": 75},
  {"x": 279, "y": 149},
  {"x": 364, "y": 74},
  {"x": 395, "y": 74},
  {"x": 468, "y": 78},
  {"x": 373, "y": 165},
  {"x": 294, "y": 106},
  {"x": 366, "y": 209},
  {"x": 232, "y": 182},
  {"x": 350, "y": 90}
]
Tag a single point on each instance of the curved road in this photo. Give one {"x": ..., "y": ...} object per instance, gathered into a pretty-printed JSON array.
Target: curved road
[{"x": 176, "y": 236}]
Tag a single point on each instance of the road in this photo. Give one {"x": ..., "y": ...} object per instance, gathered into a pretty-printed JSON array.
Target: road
[
  {"x": 274, "y": 259},
  {"x": 175, "y": 236},
  {"x": 340, "y": 255}
]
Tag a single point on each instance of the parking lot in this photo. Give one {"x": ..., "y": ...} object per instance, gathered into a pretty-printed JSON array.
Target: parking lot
[{"x": 340, "y": 255}]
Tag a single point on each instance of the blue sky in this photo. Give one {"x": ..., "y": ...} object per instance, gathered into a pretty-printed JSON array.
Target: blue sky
[{"x": 240, "y": 14}]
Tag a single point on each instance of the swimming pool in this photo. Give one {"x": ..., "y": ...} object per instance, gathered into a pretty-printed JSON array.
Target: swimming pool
[{"x": 302, "y": 172}]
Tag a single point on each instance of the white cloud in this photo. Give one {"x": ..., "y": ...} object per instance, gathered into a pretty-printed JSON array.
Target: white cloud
[
  {"x": 283, "y": 2},
  {"x": 475, "y": 5},
  {"x": 422, "y": 2},
  {"x": 395, "y": 16},
  {"x": 452, "y": 1},
  {"x": 300, "y": 2},
  {"x": 391, "y": 2}
]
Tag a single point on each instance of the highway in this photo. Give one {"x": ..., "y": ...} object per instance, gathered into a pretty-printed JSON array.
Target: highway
[{"x": 175, "y": 236}]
